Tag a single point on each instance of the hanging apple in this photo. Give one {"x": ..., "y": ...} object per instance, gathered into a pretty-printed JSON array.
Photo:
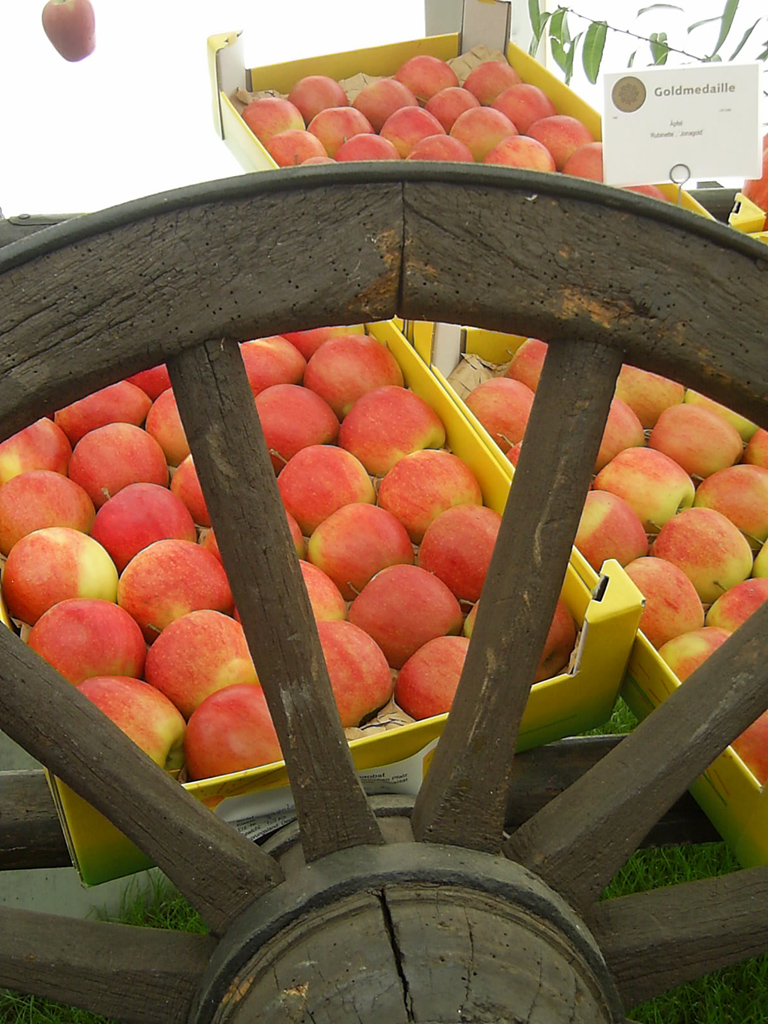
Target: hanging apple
[{"x": 71, "y": 27}]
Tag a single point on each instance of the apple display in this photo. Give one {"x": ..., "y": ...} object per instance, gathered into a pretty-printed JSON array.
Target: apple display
[
  {"x": 586, "y": 162},
  {"x": 70, "y": 26},
  {"x": 402, "y": 607},
  {"x": 697, "y": 439},
  {"x": 308, "y": 342},
  {"x": 447, "y": 104},
  {"x": 209, "y": 542},
  {"x": 756, "y": 451},
  {"x": 685, "y": 653},
  {"x": 324, "y": 596},
  {"x": 164, "y": 424},
  {"x": 740, "y": 493},
  {"x": 426, "y": 76},
  {"x": 349, "y": 365},
  {"x": 671, "y": 604},
  {"x": 52, "y": 564},
  {"x": 231, "y": 731},
  {"x": 561, "y": 134},
  {"x": 652, "y": 191},
  {"x": 313, "y": 161},
  {"x": 153, "y": 381},
  {"x": 527, "y": 362},
  {"x": 490, "y": 78},
  {"x": 41, "y": 445},
  {"x": 270, "y": 115},
  {"x": 427, "y": 682},
  {"x": 313, "y": 93},
  {"x": 409, "y": 125},
  {"x": 293, "y": 417},
  {"x": 361, "y": 679},
  {"x": 320, "y": 479},
  {"x": 382, "y": 97},
  {"x": 40, "y": 498},
  {"x": 168, "y": 579},
  {"x": 119, "y": 403},
  {"x": 523, "y": 104},
  {"x": 109, "y": 458},
  {"x": 503, "y": 407},
  {"x": 335, "y": 125},
  {"x": 733, "y": 608},
  {"x": 366, "y": 147},
  {"x": 136, "y": 517},
  {"x": 457, "y": 547},
  {"x": 521, "y": 151},
  {"x": 752, "y": 744},
  {"x": 424, "y": 484},
  {"x": 654, "y": 485},
  {"x": 647, "y": 394},
  {"x": 294, "y": 147},
  {"x": 481, "y": 129},
  {"x": 185, "y": 484},
  {"x": 746, "y": 428},
  {"x": 622, "y": 430},
  {"x": 610, "y": 528},
  {"x": 441, "y": 147}
]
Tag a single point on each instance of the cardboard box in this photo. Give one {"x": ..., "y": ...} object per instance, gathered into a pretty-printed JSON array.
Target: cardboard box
[{"x": 607, "y": 610}]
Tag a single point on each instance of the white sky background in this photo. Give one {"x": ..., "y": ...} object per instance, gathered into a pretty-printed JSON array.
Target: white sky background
[{"x": 134, "y": 118}]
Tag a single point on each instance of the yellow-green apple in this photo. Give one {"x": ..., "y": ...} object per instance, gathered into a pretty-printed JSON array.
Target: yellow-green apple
[
  {"x": 349, "y": 365},
  {"x": 426, "y": 75},
  {"x": 654, "y": 485},
  {"x": 427, "y": 682},
  {"x": 521, "y": 151},
  {"x": 560, "y": 641},
  {"x": 523, "y": 104},
  {"x": 209, "y": 542},
  {"x": 324, "y": 596},
  {"x": 168, "y": 579},
  {"x": 185, "y": 484},
  {"x": 447, "y": 104},
  {"x": 197, "y": 654},
  {"x": 712, "y": 552},
  {"x": 402, "y": 607},
  {"x": 387, "y": 423},
  {"x": 685, "y": 653},
  {"x": 361, "y": 679},
  {"x": 153, "y": 381},
  {"x": 293, "y": 147},
  {"x": 39, "y": 498},
  {"x": 480, "y": 129},
  {"x": 697, "y": 439},
  {"x": 735, "y": 606},
  {"x": 356, "y": 542},
  {"x": 741, "y": 494},
  {"x": 366, "y": 147},
  {"x": 41, "y": 445},
  {"x": 647, "y": 394},
  {"x": 293, "y": 417},
  {"x": 457, "y": 547},
  {"x": 746, "y": 428},
  {"x": 527, "y": 361},
  {"x": 119, "y": 403},
  {"x": 441, "y": 147},
  {"x": 308, "y": 342},
  {"x": 610, "y": 528},
  {"x": 109, "y": 458},
  {"x": 70, "y": 26},
  {"x": 136, "y": 517},
  {"x": 314, "y": 93},
  {"x": 760, "y": 565},
  {"x": 143, "y": 713},
  {"x": 561, "y": 134},
  {"x": 586, "y": 162},
  {"x": 503, "y": 407},
  {"x": 382, "y": 97},
  {"x": 270, "y": 115},
  {"x": 164, "y": 424},
  {"x": 671, "y": 605},
  {"x": 756, "y": 189},
  {"x": 752, "y": 746},
  {"x": 622, "y": 430},
  {"x": 52, "y": 564},
  {"x": 271, "y": 361},
  {"x": 84, "y": 637},
  {"x": 424, "y": 484},
  {"x": 489, "y": 79},
  {"x": 756, "y": 451},
  {"x": 231, "y": 731},
  {"x": 318, "y": 480},
  {"x": 409, "y": 125},
  {"x": 335, "y": 125}
]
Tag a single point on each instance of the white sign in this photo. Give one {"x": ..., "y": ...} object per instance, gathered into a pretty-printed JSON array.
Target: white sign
[{"x": 671, "y": 124}]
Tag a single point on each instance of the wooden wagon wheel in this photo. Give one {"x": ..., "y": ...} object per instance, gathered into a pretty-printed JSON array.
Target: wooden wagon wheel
[{"x": 464, "y": 924}]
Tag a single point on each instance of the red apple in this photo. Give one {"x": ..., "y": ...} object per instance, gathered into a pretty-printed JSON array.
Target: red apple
[
  {"x": 745, "y": 428},
  {"x": 153, "y": 381},
  {"x": 426, "y": 75},
  {"x": 314, "y": 93},
  {"x": 457, "y": 547},
  {"x": 40, "y": 498},
  {"x": 409, "y": 125},
  {"x": 209, "y": 542},
  {"x": 231, "y": 731},
  {"x": 610, "y": 528},
  {"x": 349, "y": 365},
  {"x": 196, "y": 655},
  {"x": 740, "y": 493},
  {"x": 756, "y": 189},
  {"x": 441, "y": 147},
  {"x": 586, "y": 162},
  {"x": 164, "y": 424},
  {"x": 366, "y": 147},
  {"x": 521, "y": 151},
  {"x": 119, "y": 403},
  {"x": 84, "y": 637},
  {"x": 361, "y": 679},
  {"x": 52, "y": 564},
  {"x": 427, "y": 682},
  {"x": 447, "y": 104},
  {"x": 382, "y": 97},
  {"x": 136, "y": 517},
  {"x": 756, "y": 452},
  {"x": 489, "y": 79},
  {"x": 503, "y": 407},
  {"x": 70, "y": 26},
  {"x": 734, "y": 607},
  {"x": 41, "y": 445},
  {"x": 335, "y": 125},
  {"x": 308, "y": 342},
  {"x": 423, "y": 484},
  {"x": 523, "y": 104},
  {"x": 527, "y": 362},
  {"x": 654, "y": 485},
  {"x": 143, "y": 713},
  {"x": 685, "y": 653},
  {"x": 320, "y": 479},
  {"x": 752, "y": 747},
  {"x": 324, "y": 596},
  {"x": 561, "y": 134},
  {"x": 697, "y": 439},
  {"x": 168, "y": 579},
  {"x": 622, "y": 430},
  {"x": 271, "y": 115},
  {"x": 293, "y": 417},
  {"x": 387, "y": 423},
  {"x": 313, "y": 161},
  {"x": 647, "y": 394},
  {"x": 402, "y": 607},
  {"x": 293, "y": 147},
  {"x": 481, "y": 129},
  {"x": 271, "y": 361},
  {"x": 647, "y": 190},
  {"x": 109, "y": 458},
  {"x": 185, "y": 484},
  {"x": 671, "y": 604}
]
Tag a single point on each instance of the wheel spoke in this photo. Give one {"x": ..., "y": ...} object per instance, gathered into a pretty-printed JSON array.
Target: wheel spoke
[
  {"x": 655, "y": 940},
  {"x": 463, "y": 798},
  {"x": 218, "y": 870},
  {"x": 141, "y": 975},
  {"x": 238, "y": 480},
  {"x": 580, "y": 839}
]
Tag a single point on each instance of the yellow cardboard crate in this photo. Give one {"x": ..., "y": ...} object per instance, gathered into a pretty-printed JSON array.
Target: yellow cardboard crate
[{"x": 607, "y": 611}]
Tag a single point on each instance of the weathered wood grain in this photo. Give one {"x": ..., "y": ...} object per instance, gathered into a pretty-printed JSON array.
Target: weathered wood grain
[
  {"x": 238, "y": 479},
  {"x": 463, "y": 798},
  {"x": 137, "y": 975},
  {"x": 30, "y": 833}
]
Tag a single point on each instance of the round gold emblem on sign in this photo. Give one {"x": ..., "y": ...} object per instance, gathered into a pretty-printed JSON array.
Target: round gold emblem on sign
[{"x": 628, "y": 94}]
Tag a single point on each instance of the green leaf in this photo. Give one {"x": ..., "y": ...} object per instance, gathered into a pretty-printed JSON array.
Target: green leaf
[
  {"x": 631, "y": 61},
  {"x": 659, "y": 47},
  {"x": 726, "y": 22},
  {"x": 558, "y": 26},
  {"x": 656, "y": 7},
  {"x": 534, "y": 13},
  {"x": 592, "y": 49},
  {"x": 571, "y": 53},
  {"x": 558, "y": 52},
  {"x": 698, "y": 24},
  {"x": 744, "y": 39}
]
